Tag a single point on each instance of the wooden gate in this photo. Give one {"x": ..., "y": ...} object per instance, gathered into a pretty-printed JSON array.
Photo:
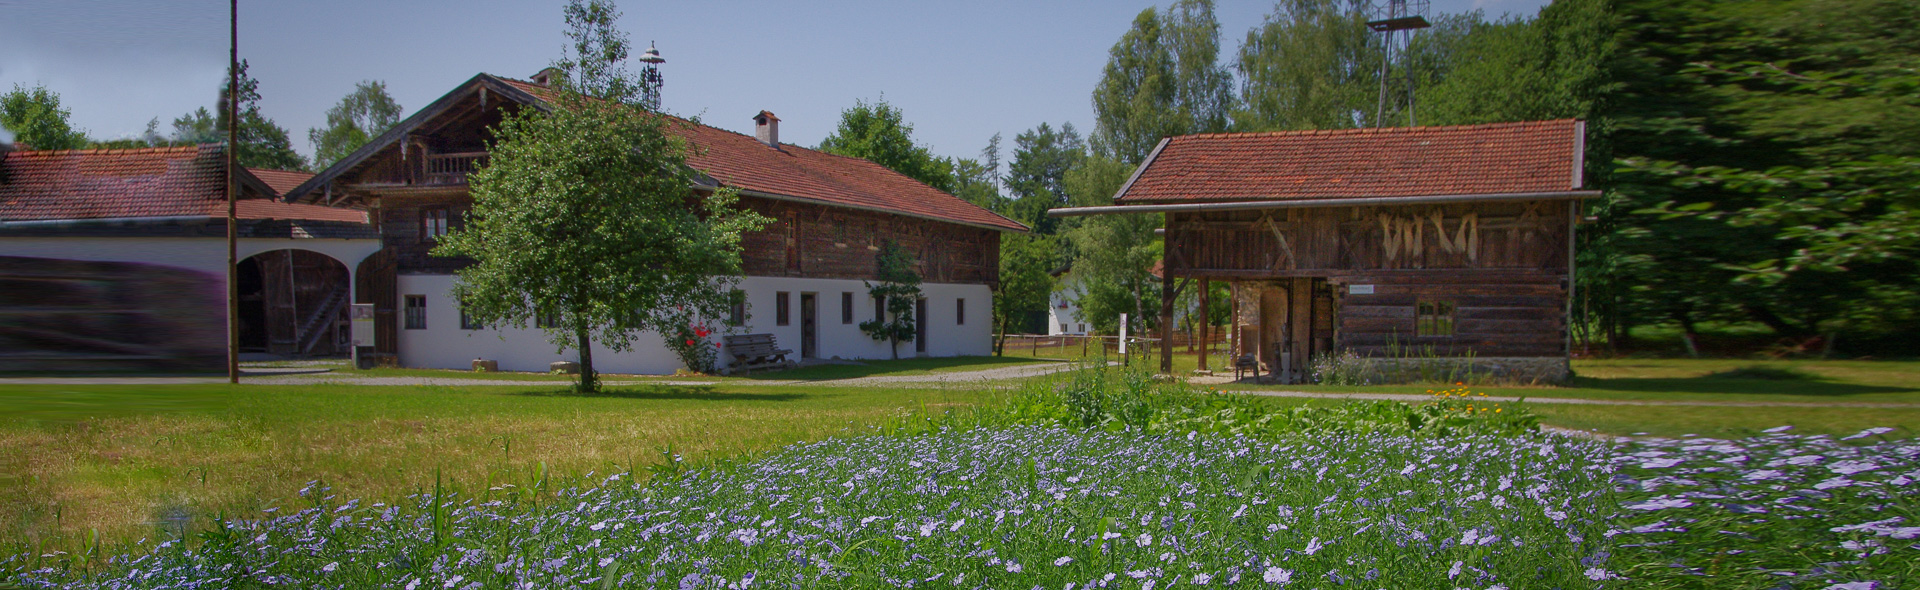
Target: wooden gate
[{"x": 377, "y": 282}]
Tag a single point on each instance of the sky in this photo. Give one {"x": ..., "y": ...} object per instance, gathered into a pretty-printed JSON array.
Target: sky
[{"x": 959, "y": 71}]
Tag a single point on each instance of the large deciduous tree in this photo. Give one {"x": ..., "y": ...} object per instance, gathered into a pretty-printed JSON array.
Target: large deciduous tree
[
  {"x": 586, "y": 214},
  {"x": 1162, "y": 79},
  {"x": 34, "y": 117},
  {"x": 1036, "y": 179},
  {"x": 357, "y": 118},
  {"x": 1025, "y": 283},
  {"x": 262, "y": 143},
  {"x": 878, "y": 131}
]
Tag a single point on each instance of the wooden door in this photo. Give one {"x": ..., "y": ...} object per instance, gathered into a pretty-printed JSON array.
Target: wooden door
[
  {"x": 809, "y": 326},
  {"x": 376, "y": 282},
  {"x": 920, "y": 326}
]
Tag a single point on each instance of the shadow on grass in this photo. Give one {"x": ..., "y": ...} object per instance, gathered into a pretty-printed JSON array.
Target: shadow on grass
[
  {"x": 1721, "y": 383},
  {"x": 670, "y": 392},
  {"x": 892, "y": 367}
]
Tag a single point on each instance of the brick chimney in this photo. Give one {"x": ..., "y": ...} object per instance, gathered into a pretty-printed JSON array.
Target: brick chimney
[
  {"x": 547, "y": 76},
  {"x": 766, "y": 128}
]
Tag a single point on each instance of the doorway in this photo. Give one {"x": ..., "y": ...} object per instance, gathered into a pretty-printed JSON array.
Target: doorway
[
  {"x": 1285, "y": 324},
  {"x": 809, "y": 325},
  {"x": 920, "y": 326}
]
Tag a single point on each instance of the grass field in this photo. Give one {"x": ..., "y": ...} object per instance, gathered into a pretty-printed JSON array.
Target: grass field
[
  {"x": 124, "y": 460},
  {"x": 821, "y": 372},
  {"x": 132, "y": 461}
]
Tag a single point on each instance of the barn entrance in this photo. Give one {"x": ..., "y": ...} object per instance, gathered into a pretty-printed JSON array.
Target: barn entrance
[
  {"x": 1282, "y": 324},
  {"x": 293, "y": 302}
]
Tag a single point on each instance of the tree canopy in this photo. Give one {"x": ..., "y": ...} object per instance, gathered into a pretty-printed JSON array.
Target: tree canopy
[
  {"x": 357, "y": 118},
  {"x": 1162, "y": 79},
  {"x": 34, "y": 117},
  {"x": 879, "y": 132}
]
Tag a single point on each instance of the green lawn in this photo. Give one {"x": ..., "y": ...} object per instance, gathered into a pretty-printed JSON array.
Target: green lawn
[
  {"x": 125, "y": 459},
  {"x": 822, "y": 372}
]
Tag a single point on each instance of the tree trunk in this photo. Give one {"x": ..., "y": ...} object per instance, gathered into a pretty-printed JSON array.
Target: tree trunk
[
  {"x": 589, "y": 381},
  {"x": 1688, "y": 334}
]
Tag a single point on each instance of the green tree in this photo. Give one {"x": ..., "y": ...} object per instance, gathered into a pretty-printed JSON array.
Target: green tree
[
  {"x": 595, "y": 64},
  {"x": 586, "y": 213},
  {"x": 1026, "y": 286},
  {"x": 879, "y": 132},
  {"x": 357, "y": 118},
  {"x": 1784, "y": 132},
  {"x": 198, "y": 127},
  {"x": 1113, "y": 254},
  {"x": 899, "y": 291},
  {"x": 583, "y": 213},
  {"x": 1036, "y": 179},
  {"x": 1162, "y": 79},
  {"x": 35, "y": 118}
]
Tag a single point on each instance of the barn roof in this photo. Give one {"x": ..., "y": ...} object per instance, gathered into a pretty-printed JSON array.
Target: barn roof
[
  {"x": 737, "y": 161},
  {"x": 1491, "y": 159},
  {"x": 280, "y": 181},
  {"x": 145, "y": 183}
]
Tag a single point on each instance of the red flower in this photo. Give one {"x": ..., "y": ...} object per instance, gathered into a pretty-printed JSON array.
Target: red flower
[
  {"x": 716, "y": 345},
  {"x": 689, "y": 343}
]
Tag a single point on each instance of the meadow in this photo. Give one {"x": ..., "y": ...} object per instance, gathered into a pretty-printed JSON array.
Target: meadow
[{"x": 100, "y": 476}]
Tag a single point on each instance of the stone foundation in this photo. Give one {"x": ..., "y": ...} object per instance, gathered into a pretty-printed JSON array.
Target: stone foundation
[{"x": 1482, "y": 370}]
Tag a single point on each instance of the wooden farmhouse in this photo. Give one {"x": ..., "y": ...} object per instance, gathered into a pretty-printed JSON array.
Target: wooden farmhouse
[
  {"x": 1419, "y": 249},
  {"x": 804, "y": 274},
  {"x": 117, "y": 260}
]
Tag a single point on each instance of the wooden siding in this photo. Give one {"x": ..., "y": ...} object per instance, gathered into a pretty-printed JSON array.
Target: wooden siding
[
  {"x": 817, "y": 241},
  {"x": 1332, "y": 240},
  {"x": 1495, "y": 314}
]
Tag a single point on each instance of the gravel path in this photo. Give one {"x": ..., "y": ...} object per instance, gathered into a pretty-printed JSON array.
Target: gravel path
[{"x": 996, "y": 374}]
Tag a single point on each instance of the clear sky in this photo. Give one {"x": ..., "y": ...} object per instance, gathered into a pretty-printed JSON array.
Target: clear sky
[{"x": 961, "y": 71}]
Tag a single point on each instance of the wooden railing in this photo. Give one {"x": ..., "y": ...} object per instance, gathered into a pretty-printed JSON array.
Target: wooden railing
[{"x": 452, "y": 168}]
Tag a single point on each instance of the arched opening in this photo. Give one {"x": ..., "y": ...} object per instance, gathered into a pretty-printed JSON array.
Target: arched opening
[{"x": 293, "y": 302}]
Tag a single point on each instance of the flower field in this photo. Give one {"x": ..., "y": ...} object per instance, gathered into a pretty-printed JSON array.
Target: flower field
[{"x": 1114, "y": 481}]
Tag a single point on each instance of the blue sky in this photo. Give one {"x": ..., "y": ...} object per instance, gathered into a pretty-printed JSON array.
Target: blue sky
[{"x": 961, "y": 71}]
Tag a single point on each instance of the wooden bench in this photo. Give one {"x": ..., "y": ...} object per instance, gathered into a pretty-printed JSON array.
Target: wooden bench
[
  {"x": 1245, "y": 364},
  {"x": 754, "y": 351}
]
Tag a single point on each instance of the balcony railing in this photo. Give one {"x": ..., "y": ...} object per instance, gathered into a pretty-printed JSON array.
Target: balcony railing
[{"x": 452, "y": 168}]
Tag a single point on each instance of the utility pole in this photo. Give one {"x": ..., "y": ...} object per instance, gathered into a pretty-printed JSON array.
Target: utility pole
[{"x": 233, "y": 191}]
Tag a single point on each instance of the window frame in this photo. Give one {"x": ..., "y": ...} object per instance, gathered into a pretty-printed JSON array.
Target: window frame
[
  {"x": 960, "y": 311},
  {"x": 846, "y": 307},
  {"x": 414, "y": 312},
  {"x": 428, "y": 216},
  {"x": 782, "y": 308},
  {"x": 737, "y": 315},
  {"x": 1435, "y": 318},
  {"x": 467, "y": 322}
]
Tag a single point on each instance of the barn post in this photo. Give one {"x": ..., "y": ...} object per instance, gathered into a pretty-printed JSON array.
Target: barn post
[
  {"x": 1205, "y": 319},
  {"x": 1166, "y": 302}
]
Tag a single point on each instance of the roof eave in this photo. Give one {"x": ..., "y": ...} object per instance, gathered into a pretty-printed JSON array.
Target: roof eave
[
  {"x": 1320, "y": 202},
  {"x": 780, "y": 197}
]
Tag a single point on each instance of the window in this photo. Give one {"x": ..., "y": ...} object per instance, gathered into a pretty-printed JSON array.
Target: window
[
  {"x": 738, "y": 315},
  {"x": 1433, "y": 318},
  {"x": 1063, "y": 328},
  {"x": 960, "y": 312},
  {"x": 780, "y": 308},
  {"x": 466, "y": 320},
  {"x": 1083, "y": 329},
  {"x": 879, "y": 309},
  {"x": 433, "y": 222},
  {"x": 846, "y": 307},
  {"x": 546, "y": 319},
  {"x": 416, "y": 312}
]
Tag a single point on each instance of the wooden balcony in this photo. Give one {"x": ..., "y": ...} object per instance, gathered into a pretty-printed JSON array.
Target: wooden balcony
[{"x": 452, "y": 168}]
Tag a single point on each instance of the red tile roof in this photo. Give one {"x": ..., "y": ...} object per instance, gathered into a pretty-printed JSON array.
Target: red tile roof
[
  {"x": 1528, "y": 157},
  {"x": 742, "y": 162},
  {"x": 280, "y": 181},
  {"x": 186, "y": 181}
]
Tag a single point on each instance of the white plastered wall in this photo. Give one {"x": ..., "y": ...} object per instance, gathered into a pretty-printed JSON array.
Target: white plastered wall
[
  {"x": 444, "y": 345},
  {"x": 1063, "y": 309},
  {"x": 204, "y": 254}
]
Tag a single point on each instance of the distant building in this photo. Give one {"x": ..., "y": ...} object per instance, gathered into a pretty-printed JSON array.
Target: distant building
[{"x": 1063, "y": 309}]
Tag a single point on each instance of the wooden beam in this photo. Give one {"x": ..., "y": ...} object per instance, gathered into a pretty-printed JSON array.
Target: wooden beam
[
  {"x": 1167, "y": 293},
  {"x": 1205, "y": 319}
]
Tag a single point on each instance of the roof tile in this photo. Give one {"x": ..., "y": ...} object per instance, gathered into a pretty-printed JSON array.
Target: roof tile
[{"x": 1535, "y": 156}]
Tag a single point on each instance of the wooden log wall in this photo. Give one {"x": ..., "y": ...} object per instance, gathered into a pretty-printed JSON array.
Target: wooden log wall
[
  {"x": 1317, "y": 241},
  {"x": 829, "y": 242},
  {"x": 1496, "y": 314}
]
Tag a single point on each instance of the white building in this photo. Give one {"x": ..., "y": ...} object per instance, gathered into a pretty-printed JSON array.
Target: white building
[
  {"x": 117, "y": 260},
  {"x": 1063, "y": 309},
  {"x": 806, "y": 273}
]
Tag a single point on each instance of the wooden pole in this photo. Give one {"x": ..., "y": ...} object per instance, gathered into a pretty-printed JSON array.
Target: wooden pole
[
  {"x": 1206, "y": 287},
  {"x": 233, "y": 190}
]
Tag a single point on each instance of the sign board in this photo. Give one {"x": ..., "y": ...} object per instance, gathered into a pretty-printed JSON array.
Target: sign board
[
  {"x": 360, "y": 311},
  {"x": 1360, "y": 289},
  {"x": 362, "y": 324}
]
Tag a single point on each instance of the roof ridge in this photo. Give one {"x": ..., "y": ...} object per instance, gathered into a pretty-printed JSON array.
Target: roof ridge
[
  {"x": 1373, "y": 130},
  {"x": 92, "y": 151}
]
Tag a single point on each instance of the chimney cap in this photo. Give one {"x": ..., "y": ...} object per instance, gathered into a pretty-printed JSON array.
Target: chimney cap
[
  {"x": 764, "y": 117},
  {"x": 546, "y": 76}
]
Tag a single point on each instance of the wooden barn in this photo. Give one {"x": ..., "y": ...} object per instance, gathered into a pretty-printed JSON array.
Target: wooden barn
[
  {"x": 805, "y": 274},
  {"x": 1414, "y": 248}
]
